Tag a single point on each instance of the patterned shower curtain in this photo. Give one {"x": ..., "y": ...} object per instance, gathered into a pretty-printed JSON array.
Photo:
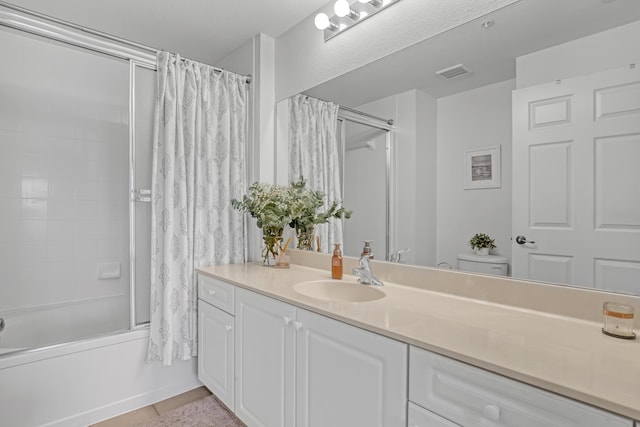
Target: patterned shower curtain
[
  {"x": 200, "y": 132},
  {"x": 314, "y": 154}
]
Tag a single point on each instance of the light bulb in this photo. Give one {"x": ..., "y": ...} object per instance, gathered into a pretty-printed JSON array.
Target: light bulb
[
  {"x": 322, "y": 21},
  {"x": 342, "y": 8}
]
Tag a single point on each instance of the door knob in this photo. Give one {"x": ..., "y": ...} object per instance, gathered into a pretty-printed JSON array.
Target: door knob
[{"x": 521, "y": 240}]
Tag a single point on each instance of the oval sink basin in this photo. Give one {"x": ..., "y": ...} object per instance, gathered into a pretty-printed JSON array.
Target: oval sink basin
[{"x": 336, "y": 290}]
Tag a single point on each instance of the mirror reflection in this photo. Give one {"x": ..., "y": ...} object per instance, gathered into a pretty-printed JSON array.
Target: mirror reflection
[{"x": 550, "y": 102}]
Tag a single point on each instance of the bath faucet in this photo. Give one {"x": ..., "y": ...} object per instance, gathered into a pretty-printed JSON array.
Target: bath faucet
[
  {"x": 364, "y": 273},
  {"x": 397, "y": 256}
]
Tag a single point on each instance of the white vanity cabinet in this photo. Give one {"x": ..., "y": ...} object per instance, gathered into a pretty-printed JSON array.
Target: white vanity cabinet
[
  {"x": 264, "y": 360},
  {"x": 297, "y": 368},
  {"x": 215, "y": 338},
  {"x": 468, "y": 396}
]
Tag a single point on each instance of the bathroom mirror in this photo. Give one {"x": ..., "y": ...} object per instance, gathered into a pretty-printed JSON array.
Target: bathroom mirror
[{"x": 440, "y": 121}]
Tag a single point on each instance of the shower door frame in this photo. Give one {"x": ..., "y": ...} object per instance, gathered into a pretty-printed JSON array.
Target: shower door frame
[
  {"x": 138, "y": 56},
  {"x": 346, "y": 114}
]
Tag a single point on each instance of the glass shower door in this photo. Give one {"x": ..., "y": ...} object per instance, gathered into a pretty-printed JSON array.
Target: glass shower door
[{"x": 365, "y": 180}]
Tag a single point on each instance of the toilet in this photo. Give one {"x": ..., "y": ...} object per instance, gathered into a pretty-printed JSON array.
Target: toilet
[{"x": 484, "y": 264}]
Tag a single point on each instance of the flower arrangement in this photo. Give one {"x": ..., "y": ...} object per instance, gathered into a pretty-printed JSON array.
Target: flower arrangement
[
  {"x": 270, "y": 205},
  {"x": 275, "y": 206},
  {"x": 305, "y": 214},
  {"x": 481, "y": 241}
]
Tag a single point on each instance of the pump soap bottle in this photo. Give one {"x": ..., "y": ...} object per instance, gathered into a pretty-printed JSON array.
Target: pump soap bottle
[
  {"x": 366, "y": 251},
  {"x": 336, "y": 262}
]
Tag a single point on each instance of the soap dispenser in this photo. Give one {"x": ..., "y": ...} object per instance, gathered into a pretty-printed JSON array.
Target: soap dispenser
[
  {"x": 366, "y": 251},
  {"x": 336, "y": 262}
]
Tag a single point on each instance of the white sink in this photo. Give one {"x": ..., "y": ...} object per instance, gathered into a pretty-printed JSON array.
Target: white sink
[{"x": 337, "y": 290}]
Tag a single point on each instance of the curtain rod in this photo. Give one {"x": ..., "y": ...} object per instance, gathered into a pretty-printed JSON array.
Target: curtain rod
[
  {"x": 354, "y": 111},
  {"x": 362, "y": 113},
  {"x": 94, "y": 32}
]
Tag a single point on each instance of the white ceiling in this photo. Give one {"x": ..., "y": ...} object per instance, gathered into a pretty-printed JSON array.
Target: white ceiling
[
  {"x": 520, "y": 28},
  {"x": 204, "y": 30}
]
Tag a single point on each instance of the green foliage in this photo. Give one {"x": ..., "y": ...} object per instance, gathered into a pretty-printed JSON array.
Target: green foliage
[
  {"x": 306, "y": 204},
  {"x": 481, "y": 240},
  {"x": 269, "y": 204},
  {"x": 296, "y": 205}
]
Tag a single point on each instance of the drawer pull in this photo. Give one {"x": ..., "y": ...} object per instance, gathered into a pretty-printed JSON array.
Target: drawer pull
[
  {"x": 212, "y": 292},
  {"x": 297, "y": 325},
  {"x": 492, "y": 412},
  {"x": 287, "y": 320},
  {"x": 228, "y": 328}
]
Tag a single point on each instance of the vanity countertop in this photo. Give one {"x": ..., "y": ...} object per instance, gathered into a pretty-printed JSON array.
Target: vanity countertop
[{"x": 562, "y": 354}]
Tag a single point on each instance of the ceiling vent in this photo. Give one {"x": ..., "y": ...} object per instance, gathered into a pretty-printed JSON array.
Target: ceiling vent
[{"x": 453, "y": 72}]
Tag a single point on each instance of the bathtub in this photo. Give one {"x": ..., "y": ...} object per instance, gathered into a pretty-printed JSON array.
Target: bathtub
[
  {"x": 56, "y": 371},
  {"x": 43, "y": 326}
]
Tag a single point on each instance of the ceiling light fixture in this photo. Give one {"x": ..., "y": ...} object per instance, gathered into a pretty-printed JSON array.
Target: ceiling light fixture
[
  {"x": 323, "y": 22},
  {"x": 347, "y": 14},
  {"x": 374, "y": 3}
]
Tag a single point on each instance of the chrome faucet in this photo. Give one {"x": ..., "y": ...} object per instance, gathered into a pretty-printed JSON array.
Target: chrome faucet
[
  {"x": 397, "y": 256},
  {"x": 364, "y": 273}
]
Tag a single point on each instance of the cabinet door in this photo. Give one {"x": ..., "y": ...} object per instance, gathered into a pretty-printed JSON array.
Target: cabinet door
[
  {"x": 346, "y": 376},
  {"x": 215, "y": 350},
  {"x": 264, "y": 352}
]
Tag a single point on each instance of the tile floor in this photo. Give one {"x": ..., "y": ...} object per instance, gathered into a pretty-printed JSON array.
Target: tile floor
[{"x": 149, "y": 412}]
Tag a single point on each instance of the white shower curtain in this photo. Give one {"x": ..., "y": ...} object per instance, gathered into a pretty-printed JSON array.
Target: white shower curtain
[
  {"x": 314, "y": 155},
  {"x": 198, "y": 167}
]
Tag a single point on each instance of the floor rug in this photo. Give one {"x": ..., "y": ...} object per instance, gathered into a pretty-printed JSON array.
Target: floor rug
[{"x": 207, "y": 412}]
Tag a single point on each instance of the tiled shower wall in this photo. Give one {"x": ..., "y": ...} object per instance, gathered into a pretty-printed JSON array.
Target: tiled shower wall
[{"x": 63, "y": 177}]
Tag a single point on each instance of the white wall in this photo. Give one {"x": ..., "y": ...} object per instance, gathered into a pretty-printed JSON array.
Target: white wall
[
  {"x": 304, "y": 60},
  {"x": 473, "y": 119},
  {"x": 426, "y": 179},
  {"x": 609, "y": 49},
  {"x": 257, "y": 57}
]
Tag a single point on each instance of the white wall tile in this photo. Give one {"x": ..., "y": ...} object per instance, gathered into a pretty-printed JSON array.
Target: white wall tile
[
  {"x": 34, "y": 209},
  {"x": 61, "y": 189},
  {"x": 60, "y": 229},
  {"x": 32, "y": 230},
  {"x": 34, "y": 187},
  {"x": 33, "y": 251},
  {"x": 10, "y": 185}
]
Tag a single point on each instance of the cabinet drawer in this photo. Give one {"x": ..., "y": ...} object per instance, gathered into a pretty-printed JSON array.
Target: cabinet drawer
[
  {"x": 471, "y": 396},
  {"x": 216, "y": 292},
  {"x": 420, "y": 417}
]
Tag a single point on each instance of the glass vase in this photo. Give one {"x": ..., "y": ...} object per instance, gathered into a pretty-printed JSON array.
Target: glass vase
[
  {"x": 305, "y": 238},
  {"x": 272, "y": 237}
]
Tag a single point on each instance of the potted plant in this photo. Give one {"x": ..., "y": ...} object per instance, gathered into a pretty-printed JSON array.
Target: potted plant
[
  {"x": 306, "y": 212},
  {"x": 481, "y": 243},
  {"x": 271, "y": 206}
]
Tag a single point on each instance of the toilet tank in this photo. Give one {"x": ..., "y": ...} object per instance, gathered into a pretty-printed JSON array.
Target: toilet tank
[{"x": 484, "y": 264}]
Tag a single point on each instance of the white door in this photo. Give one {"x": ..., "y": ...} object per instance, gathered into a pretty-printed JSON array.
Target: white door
[
  {"x": 348, "y": 377},
  {"x": 264, "y": 360},
  {"x": 215, "y": 350},
  {"x": 576, "y": 185}
]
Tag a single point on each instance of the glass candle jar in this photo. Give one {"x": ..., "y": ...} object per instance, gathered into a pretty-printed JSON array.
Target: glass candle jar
[{"x": 618, "y": 320}]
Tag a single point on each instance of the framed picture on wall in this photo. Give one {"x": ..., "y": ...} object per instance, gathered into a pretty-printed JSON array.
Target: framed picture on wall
[{"x": 482, "y": 168}]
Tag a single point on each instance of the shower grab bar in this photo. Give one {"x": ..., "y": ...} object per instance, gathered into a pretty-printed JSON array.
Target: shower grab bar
[{"x": 141, "y": 195}]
